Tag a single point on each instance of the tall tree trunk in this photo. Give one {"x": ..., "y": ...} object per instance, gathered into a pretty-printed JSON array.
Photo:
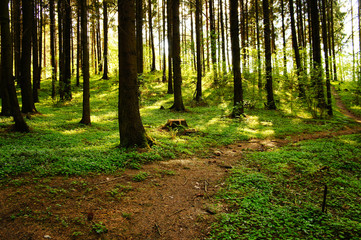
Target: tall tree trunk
[
  {"x": 105, "y": 29},
  {"x": 25, "y": 70},
  {"x": 325, "y": 50},
  {"x": 268, "y": 57},
  {"x": 259, "y": 70},
  {"x": 296, "y": 52},
  {"x": 139, "y": 35},
  {"x": 78, "y": 43},
  {"x": 41, "y": 23},
  {"x": 316, "y": 72},
  {"x": 333, "y": 43},
  {"x": 284, "y": 38},
  {"x": 131, "y": 130},
  {"x": 178, "y": 100},
  {"x": 36, "y": 79},
  {"x": 17, "y": 37},
  {"x": 85, "y": 63},
  {"x": 67, "y": 51},
  {"x": 198, "y": 46},
  {"x": 224, "y": 68},
  {"x": 164, "y": 79},
  {"x": 170, "y": 46},
  {"x": 98, "y": 39},
  {"x": 236, "y": 61},
  {"x": 7, "y": 66},
  {"x": 213, "y": 38},
  {"x": 150, "y": 18},
  {"x": 52, "y": 48},
  {"x": 61, "y": 47}
]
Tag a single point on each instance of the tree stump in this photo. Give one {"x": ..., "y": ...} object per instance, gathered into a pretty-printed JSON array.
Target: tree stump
[{"x": 175, "y": 123}]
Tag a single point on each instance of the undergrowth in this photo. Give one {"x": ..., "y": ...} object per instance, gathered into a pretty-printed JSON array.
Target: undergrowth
[{"x": 279, "y": 194}]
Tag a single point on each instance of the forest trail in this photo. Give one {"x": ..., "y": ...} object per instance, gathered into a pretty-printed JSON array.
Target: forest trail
[{"x": 171, "y": 199}]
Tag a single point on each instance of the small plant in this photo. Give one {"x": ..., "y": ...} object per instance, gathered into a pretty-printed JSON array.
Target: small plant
[
  {"x": 77, "y": 233},
  {"x": 127, "y": 215},
  {"x": 141, "y": 176},
  {"x": 99, "y": 228}
]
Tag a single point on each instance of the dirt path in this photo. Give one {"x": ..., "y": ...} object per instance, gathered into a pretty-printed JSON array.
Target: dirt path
[{"x": 174, "y": 201}]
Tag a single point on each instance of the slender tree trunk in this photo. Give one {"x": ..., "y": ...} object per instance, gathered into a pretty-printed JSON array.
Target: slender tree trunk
[
  {"x": 284, "y": 38},
  {"x": 198, "y": 46},
  {"x": 7, "y": 66},
  {"x": 317, "y": 67},
  {"x": 170, "y": 46},
  {"x": 268, "y": 57},
  {"x": 78, "y": 43},
  {"x": 224, "y": 67},
  {"x": 178, "y": 100},
  {"x": 213, "y": 38},
  {"x": 98, "y": 39},
  {"x": 139, "y": 35},
  {"x": 85, "y": 63},
  {"x": 25, "y": 70},
  {"x": 17, "y": 37},
  {"x": 36, "y": 79},
  {"x": 52, "y": 48},
  {"x": 164, "y": 39},
  {"x": 353, "y": 45},
  {"x": 60, "y": 47},
  {"x": 236, "y": 60},
  {"x": 150, "y": 18},
  {"x": 333, "y": 44},
  {"x": 67, "y": 51},
  {"x": 325, "y": 50},
  {"x": 131, "y": 130},
  {"x": 105, "y": 29},
  {"x": 259, "y": 70},
  {"x": 41, "y": 23}
]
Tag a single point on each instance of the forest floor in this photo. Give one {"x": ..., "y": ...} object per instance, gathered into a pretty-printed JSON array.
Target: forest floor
[{"x": 171, "y": 199}]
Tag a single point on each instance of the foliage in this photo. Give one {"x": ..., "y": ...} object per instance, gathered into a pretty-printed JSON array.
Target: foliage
[{"x": 279, "y": 194}]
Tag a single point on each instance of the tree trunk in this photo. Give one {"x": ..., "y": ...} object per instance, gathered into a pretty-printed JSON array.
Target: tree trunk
[
  {"x": 316, "y": 72},
  {"x": 98, "y": 39},
  {"x": 259, "y": 70},
  {"x": 61, "y": 47},
  {"x": 17, "y": 37},
  {"x": 139, "y": 35},
  {"x": 67, "y": 50},
  {"x": 284, "y": 38},
  {"x": 85, "y": 62},
  {"x": 224, "y": 68},
  {"x": 78, "y": 43},
  {"x": 213, "y": 38},
  {"x": 36, "y": 79},
  {"x": 52, "y": 48},
  {"x": 268, "y": 57},
  {"x": 25, "y": 70},
  {"x": 236, "y": 61},
  {"x": 325, "y": 50},
  {"x": 178, "y": 100},
  {"x": 198, "y": 46},
  {"x": 150, "y": 17},
  {"x": 131, "y": 130},
  {"x": 164, "y": 79},
  {"x": 105, "y": 48},
  {"x": 170, "y": 47},
  {"x": 7, "y": 66}
]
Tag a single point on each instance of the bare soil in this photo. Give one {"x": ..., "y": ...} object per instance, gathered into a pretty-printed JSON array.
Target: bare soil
[{"x": 174, "y": 201}]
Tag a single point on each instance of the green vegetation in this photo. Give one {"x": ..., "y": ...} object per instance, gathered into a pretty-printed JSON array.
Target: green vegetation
[
  {"x": 350, "y": 95},
  {"x": 278, "y": 195},
  {"x": 59, "y": 145}
]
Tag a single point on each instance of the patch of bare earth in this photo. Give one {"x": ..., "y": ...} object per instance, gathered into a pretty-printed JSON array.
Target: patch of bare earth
[{"x": 164, "y": 200}]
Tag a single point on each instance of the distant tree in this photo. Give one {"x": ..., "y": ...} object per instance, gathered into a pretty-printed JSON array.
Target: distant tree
[
  {"x": 198, "y": 46},
  {"x": 105, "y": 29},
  {"x": 236, "y": 61},
  {"x": 85, "y": 62},
  {"x": 177, "y": 74},
  {"x": 131, "y": 129},
  {"x": 268, "y": 56},
  {"x": 6, "y": 74},
  {"x": 25, "y": 67}
]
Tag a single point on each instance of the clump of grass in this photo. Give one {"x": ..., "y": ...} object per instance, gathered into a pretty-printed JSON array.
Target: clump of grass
[
  {"x": 279, "y": 194},
  {"x": 141, "y": 176}
]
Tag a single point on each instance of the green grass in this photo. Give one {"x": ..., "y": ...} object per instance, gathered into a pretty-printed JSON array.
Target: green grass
[
  {"x": 278, "y": 195},
  {"x": 59, "y": 145},
  {"x": 350, "y": 95}
]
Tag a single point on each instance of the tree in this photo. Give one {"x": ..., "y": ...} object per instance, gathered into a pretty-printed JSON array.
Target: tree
[
  {"x": 7, "y": 66},
  {"x": 25, "y": 67},
  {"x": 236, "y": 61},
  {"x": 85, "y": 62},
  {"x": 105, "y": 29},
  {"x": 52, "y": 48},
  {"x": 139, "y": 35},
  {"x": 66, "y": 86},
  {"x": 198, "y": 46},
  {"x": 213, "y": 38},
  {"x": 170, "y": 47},
  {"x": 36, "y": 68},
  {"x": 268, "y": 57},
  {"x": 316, "y": 73},
  {"x": 150, "y": 17},
  {"x": 177, "y": 74},
  {"x": 131, "y": 129}
]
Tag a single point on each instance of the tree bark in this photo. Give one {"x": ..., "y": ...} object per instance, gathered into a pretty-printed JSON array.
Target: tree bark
[
  {"x": 150, "y": 19},
  {"x": 236, "y": 60},
  {"x": 213, "y": 38},
  {"x": 139, "y": 35},
  {"x": 52, "y": 48},
  {"x": 25, "y": 71},
  {"x": 78, "y": 43},
  {"x": 170, "y": 47},
  {"x": 259, "y": 70},
  {"x": 85, "y": 63},
  {"x": 198, "y": 46},
  {"x": 36, "y": 76},
  {"x": 67, "y": 50},
  {"x": 131, "y": 130},
  {"x": 268, "y": 57},
  {"x": 7, "y": 66},
  {"x": 178, "y": 100},
  {"x": 17, "y": 38},
  {"x": 105, "y": 48}
]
